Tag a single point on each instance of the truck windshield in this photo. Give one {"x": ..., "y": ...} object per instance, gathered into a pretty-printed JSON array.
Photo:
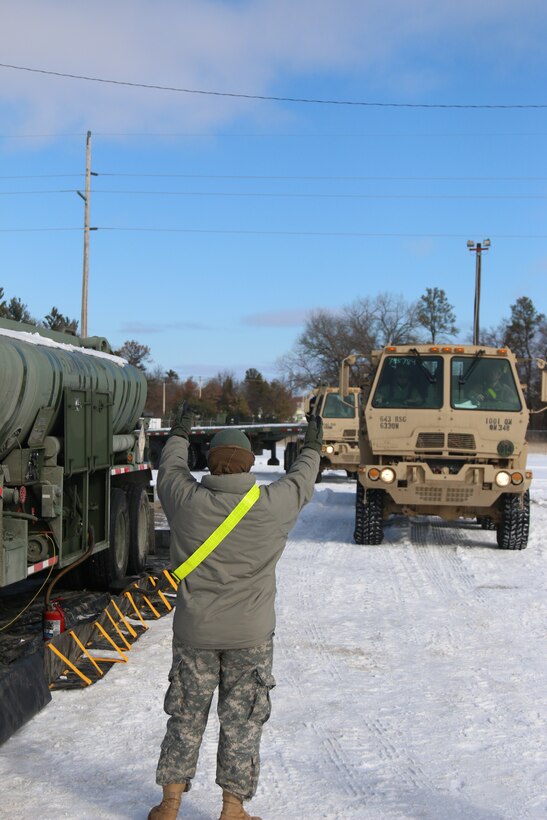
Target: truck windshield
[
  {"x": 410, "y": 381},
  {"x": 335, "y": 408},
  {"x": 490, "y": 385}
]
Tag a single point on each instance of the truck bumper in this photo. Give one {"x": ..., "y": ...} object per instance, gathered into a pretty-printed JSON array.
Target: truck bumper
[
  {"x": 340, "y": 456},
  {"x": 472, "y": 490}
]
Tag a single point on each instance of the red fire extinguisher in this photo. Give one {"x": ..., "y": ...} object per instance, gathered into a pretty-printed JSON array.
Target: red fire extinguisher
[{"x": 53, "y": 620}]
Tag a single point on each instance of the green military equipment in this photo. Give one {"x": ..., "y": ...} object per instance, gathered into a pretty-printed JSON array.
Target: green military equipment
[{"x": 72, "y": 464}]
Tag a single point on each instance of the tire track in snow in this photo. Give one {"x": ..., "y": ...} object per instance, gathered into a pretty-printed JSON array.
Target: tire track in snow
[
  {"x": 369, "y": 736},
  {"x": 435, "y": 544}
]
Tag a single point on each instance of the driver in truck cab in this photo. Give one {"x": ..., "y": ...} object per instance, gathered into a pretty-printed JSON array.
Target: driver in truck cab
[{"x": 398, "y": 391}]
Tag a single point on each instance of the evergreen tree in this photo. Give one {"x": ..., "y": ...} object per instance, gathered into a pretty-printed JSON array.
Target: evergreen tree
[
  {"x": 57, "y": 321},
  {"x": 436, "y": 315},
  {"x": 523, "y": 335},
  {"x": 17, "y": 311},
  {"x": 255, "y": 390}
]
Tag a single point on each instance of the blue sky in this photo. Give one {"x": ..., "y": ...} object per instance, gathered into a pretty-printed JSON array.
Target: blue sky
[{"x": 224, "y": 221}]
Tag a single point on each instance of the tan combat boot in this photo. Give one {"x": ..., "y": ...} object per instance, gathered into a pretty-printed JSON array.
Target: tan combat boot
[
  {"x": 232, "y": 808},
  {"x": 168, "y": 809}
]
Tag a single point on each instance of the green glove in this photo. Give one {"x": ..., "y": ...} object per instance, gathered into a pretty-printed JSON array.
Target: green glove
[
  {"x": 314, "y": 434},
  {"x": 183, "y": 422}
]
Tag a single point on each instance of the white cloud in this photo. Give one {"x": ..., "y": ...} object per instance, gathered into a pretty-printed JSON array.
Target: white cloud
[{"x": 242, "y": 47}]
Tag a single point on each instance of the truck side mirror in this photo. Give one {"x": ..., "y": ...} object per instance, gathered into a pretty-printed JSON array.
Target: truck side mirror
[
  {"x": 343, "y": 381},
  {"x": 544, "y": 386}
]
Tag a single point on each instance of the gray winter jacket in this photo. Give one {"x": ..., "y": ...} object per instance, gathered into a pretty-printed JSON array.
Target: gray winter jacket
[{"x": 227, "y": 602}]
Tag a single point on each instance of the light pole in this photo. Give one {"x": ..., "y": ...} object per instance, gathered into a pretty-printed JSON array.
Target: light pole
[{"x": 477, "y": 248}]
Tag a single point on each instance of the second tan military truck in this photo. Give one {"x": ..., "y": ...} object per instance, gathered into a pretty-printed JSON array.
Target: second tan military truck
[
  {"x": 442, "y": 432},
  {"x": 340, "y": 449}
]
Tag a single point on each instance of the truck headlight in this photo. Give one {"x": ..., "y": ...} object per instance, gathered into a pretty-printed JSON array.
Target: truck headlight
[
  {"x": 503, "y": 479},
  {"x": 387, "y": 475},
  {"x": 329, "y": 449}
]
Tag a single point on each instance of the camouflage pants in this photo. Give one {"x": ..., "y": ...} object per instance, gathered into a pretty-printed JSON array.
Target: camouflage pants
[{"x": 244, "y": 679}]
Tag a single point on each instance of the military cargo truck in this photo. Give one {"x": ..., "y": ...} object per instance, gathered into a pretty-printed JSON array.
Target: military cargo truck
[
  {"x": 73, "y": 472},
  {"x": 443, "y": 432},
  {"x": 340, "y": 449}
]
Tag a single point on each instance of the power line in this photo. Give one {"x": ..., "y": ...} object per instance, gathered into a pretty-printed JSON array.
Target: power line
[
  {"x": 286, "y": 177},
  {"x": 282, "y": 195},
  {"x": 39, "y": 176},
  {"x": 302, "y": 135},
  {"x": 232, "y": 232},
  {"x": 270, "y": 98},
  {"x": 325, "y": 178}
]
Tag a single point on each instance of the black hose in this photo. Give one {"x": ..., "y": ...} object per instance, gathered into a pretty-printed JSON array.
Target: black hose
[{"x": 25, "y": 516}]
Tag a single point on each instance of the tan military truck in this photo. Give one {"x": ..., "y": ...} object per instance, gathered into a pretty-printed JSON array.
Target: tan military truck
[
  {"x": 340, "y": 449},
  {"x": 443, "y": 432}
]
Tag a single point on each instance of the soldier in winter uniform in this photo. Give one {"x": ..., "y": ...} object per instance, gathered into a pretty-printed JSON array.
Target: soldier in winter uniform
[{"x": 224, "y": 620}]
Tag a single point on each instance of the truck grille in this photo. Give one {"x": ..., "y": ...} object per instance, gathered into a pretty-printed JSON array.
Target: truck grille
[
  {"x": 432, "y": 494},
  {"x": 455, "y": 441},
  {"x": 458, "y": 495},
  {"x": 450, "y": 495},
  {"x": 461, "y": 441},
  {"x": 349, "y": 434},
  {"x": 430, "y": 441}
]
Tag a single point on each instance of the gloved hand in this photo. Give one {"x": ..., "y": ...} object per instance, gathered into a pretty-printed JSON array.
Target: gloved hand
[
  {"x": 314, "y": 434},
  {"x": 183, "y": 422}
]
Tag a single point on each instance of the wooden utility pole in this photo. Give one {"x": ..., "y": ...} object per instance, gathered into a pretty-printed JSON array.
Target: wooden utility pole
[{"x": 83, "y": 323}]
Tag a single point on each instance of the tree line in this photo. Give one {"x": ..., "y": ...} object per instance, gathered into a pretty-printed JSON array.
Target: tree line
[
  {"x": 328, "y": 337},
  {"x": 221, "y": 398},
  {"x": 17, "y": 311},
  {"x": 372, "y": 323}
]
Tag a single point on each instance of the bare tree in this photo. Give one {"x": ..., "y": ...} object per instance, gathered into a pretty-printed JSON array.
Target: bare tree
[
  {"x": 328, "y": 338},
  {"x": 135, "y": 353},
  {"x": 318, "y": 351},
  {"x": 386, "y": 319}
]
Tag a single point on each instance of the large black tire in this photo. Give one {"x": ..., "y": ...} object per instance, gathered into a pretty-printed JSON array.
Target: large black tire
[
  {"x": 291, "y": 452},
  {"x": 201, "y": 460},
  {"x": 152, "y": 532},
  {"x": 109, "y": 566},
  {"x": 139, "y": 529},
  {"x": 513, "y": 529},
  {"x": 369, "y": 516},
  {"x": 192, "y": 457}
]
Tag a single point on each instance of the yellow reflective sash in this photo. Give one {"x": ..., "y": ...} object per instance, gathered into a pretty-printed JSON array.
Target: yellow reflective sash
[{"x": 241, "y": 509}]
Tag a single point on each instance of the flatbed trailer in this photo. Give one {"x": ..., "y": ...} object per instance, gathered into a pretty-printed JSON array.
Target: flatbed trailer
[{"x": 262, "y": 437}]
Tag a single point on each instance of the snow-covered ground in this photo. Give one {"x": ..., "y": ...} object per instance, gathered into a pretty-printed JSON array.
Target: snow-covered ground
[{"x": 411, "y": 683}]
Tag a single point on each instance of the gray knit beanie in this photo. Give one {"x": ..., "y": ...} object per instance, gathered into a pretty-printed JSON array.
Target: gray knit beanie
[{"x": 230, "y": 438}]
